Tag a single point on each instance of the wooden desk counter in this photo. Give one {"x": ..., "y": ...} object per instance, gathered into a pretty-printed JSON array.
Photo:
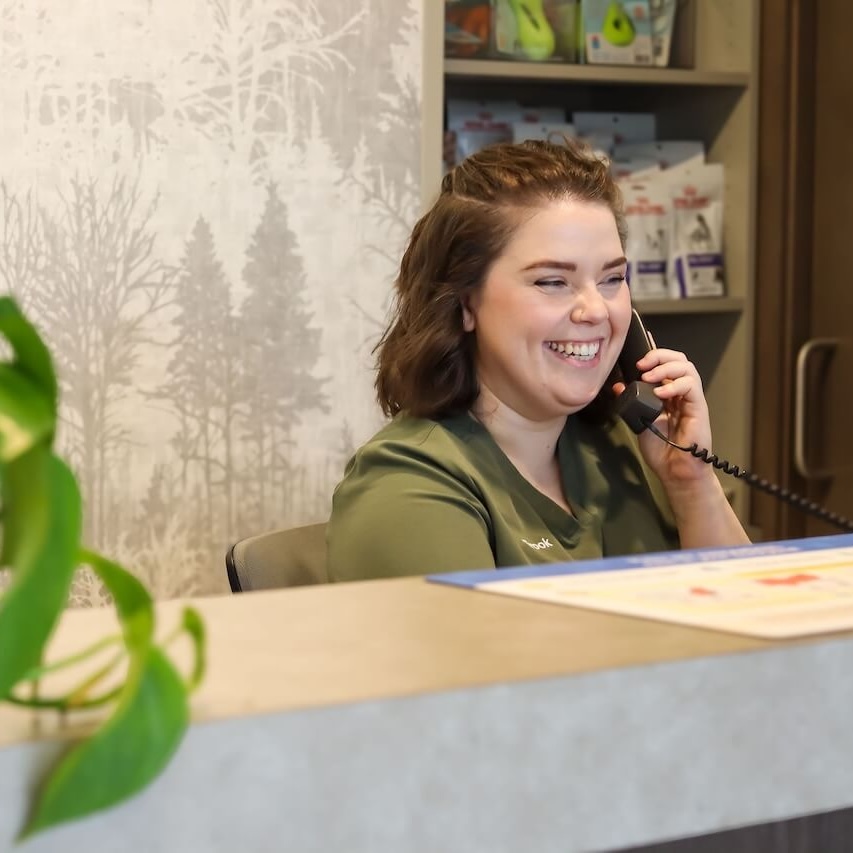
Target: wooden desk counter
[{"x": 403, "y": 715}]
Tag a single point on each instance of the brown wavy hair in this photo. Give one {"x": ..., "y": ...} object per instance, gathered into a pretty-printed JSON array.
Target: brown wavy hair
[{"x": 425, "y": 359}]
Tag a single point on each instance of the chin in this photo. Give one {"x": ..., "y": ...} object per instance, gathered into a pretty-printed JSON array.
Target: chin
[
  {"x": 577, "y": 402},
  {"x": 564, "y": 409}
]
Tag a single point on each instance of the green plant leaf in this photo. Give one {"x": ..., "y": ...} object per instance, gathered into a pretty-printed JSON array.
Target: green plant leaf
[
  {"x": 126, "y": 754},
  {"x": 41, "y": 518},
  {"x": 27, "y": 416},
  {"x": 136, "y": 743},
  {"x": 40, "y": 540},
  {"x": 132, "y": 600},
  {"x": 192, "y": 624},
  {"x": 31, "y": 354}
]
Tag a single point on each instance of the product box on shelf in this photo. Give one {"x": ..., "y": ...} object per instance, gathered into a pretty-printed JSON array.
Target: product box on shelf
[
  {"x": 662, "y": 14},
  {"x": 625, "y": 127},
  {"x": 555, "y": 132},
  {"x": 467, "y": 28},
  {"x": 617, "y": 33},
  {"x": 696, "y": 246},
  {"x": 536, "y": 30},
  {"x": 667, "y": 153},
  {"x": 647, "y": 216},
  {"x": 473, "y": 124}
]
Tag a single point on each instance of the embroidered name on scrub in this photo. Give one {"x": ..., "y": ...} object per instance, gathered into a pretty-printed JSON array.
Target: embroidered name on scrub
[{"x": 538, "y": 546}]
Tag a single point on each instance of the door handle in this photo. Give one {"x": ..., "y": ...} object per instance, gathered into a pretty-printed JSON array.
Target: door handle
[{"x": 801, "y": 407}]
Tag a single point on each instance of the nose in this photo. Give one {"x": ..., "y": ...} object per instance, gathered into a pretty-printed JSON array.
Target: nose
[{"x": 590, "y": 307}]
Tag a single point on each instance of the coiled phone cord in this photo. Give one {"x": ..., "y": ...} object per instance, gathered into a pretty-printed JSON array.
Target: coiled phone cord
[{"x": 798, "y": 501}]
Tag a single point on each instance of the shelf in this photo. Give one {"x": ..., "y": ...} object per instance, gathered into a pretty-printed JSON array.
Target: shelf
[
  {"x": 709, "y": 305},
  {"x": 572, "y": 73}
]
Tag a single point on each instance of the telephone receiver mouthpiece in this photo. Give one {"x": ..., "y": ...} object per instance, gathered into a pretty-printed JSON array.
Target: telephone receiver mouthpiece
[{"x": 638, "y": 406}]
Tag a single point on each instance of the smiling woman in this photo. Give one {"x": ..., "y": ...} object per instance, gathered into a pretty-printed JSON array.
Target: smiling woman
[
  {"x": 549, "y": 331},
  {"x": 512, "y": 308}
]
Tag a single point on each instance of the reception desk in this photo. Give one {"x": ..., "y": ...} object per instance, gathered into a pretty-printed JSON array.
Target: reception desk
[{"x": 408, "y": 716}]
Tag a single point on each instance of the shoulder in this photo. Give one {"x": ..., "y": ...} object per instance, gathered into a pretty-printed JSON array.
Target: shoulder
[
  {"x": 412, "y": 461},
  {"x": 410, "y": 501},
  {"x": 417, "y": 444}
]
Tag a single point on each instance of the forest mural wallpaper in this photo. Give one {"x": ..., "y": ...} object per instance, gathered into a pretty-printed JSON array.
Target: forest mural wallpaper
[{"x": 202, "y": 206}]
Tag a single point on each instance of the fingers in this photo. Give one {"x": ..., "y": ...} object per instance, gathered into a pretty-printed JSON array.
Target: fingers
[
  {"x": 665, "y": 366},
  {"x": 660, "y": 356},
  {"x": 678, "y": 385},
  {"x": 684, "y": 386}
]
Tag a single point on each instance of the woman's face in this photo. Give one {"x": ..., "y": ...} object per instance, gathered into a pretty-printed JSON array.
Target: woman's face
[{"x": 553, "y": 312}]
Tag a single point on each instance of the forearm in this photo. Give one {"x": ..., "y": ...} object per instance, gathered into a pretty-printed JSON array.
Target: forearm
[{"x": 704, "y": 516}]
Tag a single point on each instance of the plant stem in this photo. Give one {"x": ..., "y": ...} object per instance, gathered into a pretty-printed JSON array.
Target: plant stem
[
  {"x": 37, "y": 672},
  {"x": 61, "y": 704}
]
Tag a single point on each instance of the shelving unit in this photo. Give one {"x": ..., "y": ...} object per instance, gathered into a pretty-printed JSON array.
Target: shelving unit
[
  {"x": 486, "y": 69},
  {"x": 713, "y": 100},
  {"x": 711, "y": 305}
]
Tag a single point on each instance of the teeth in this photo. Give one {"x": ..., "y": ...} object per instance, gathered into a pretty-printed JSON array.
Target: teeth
[{"x": 577, "y": 350}]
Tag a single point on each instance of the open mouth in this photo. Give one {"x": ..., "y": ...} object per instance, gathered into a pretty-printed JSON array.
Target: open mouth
[{"x": 577, "y": 350}]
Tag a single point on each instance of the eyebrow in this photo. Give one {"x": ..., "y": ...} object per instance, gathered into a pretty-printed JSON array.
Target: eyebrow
[{"x": 571, "y": 266}]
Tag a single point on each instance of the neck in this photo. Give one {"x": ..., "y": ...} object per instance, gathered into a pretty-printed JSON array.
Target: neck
[{"x": 531, "y": 445}]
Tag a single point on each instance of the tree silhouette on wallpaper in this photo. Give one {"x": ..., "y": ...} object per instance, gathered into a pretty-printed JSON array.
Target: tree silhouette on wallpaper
[
  {"x": 242, "y": 88},
  {"x": 239, "y": 382},
  {"x": 203, "y": 387},
  {"x": 389, "y": 188},
  {"x": 22, "y": 248},
  {"x": 96, "y": 286},
  {"x": 103, "y": 284},
  {"x": 199, "y": 226},
  {"x": 279, "y": 348}
]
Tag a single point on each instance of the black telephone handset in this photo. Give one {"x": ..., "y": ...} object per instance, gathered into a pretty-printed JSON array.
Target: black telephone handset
[{"x": 637, "y": 405}]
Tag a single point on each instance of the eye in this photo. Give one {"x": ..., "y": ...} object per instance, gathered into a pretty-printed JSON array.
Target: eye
[
  {"x": 551, "y": 282},
  {"x": 613, "y": 280}
]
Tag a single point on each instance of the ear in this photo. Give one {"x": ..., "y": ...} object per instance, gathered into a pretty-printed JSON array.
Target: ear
[{"x": 469, "y": 320}]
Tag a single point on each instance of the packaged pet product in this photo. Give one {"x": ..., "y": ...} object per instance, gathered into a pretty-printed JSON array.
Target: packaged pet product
[
  {"x": 552, "y": 132},
  {"x": 564, "y": 17},
  {"x": 668, "y": 154},
  {"x": 472, "y": 125},
  {"x": 617, "y": 33},
  {"x": 470, "y": 139},
  {"x": 625, "y": 127},
  {"x": 647, "y": 246},
  {"x": 522, "y": 30},
  {"x": 634, "y": 169},
  {"x": 662, "y": 14},
  {"x": 601, "y": 143},
  {"x": 696, "y": 246},
  {"x": 469, "y": 109},
  {"x": 537, "y": 30},
  {"x": 543, "y": 115},
  {"x": 467, "y": 28}
]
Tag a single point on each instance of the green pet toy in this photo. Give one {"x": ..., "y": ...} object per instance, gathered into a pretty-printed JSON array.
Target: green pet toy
[
  {"x": 618, "y": 28},
  {"x": 535, "y": 36}
]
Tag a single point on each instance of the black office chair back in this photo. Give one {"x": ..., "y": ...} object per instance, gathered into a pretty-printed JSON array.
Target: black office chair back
[{"x": 282, "y": 558}]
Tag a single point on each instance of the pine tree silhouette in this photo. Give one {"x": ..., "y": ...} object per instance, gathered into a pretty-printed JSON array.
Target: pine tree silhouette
[
  {"x": 202, "y": 387},
  {"x": 280, "y": 349},
  {"x": 154, "y": 508}
]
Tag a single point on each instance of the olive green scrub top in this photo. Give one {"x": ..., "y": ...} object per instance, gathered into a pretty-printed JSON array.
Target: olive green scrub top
[{"x": 426, "y": 496}]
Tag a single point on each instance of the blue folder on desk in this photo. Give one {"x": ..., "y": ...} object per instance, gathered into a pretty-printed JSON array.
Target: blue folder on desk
[{"x": 778, "y": 589}]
